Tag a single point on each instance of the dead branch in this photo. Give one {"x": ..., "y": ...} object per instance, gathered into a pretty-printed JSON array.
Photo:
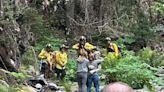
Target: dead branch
[
  {"x": 3, "y": 63},
  {"x": 93, "y": 23},
  {"x": 35, "y": 65}
]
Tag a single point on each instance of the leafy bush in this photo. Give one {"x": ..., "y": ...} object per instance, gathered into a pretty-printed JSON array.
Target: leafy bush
[
  {"x": 130, "y": 69},
  {"x": 110, "y": 60},
  {"x": 19, "y": 75},
  {"x": 151, "y": 57},
  {"x": 146, "y": 54},
  {"x": 28, "y": 58},
  {"x": 31, "y": 17},
  {"x": 3, "y": 88},
  {"x": 55, "y": 41},
  {"x": 158, "y": 6},
  {"x": 158, "y": 60},
  {"x": 67, "y": 86},
  {"x": 71, "y": 70}
]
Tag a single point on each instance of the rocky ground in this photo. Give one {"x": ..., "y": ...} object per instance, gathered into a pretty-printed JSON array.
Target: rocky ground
[{"x": 74, "y": 85}]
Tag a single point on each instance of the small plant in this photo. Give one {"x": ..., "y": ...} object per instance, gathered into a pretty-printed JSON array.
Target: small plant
[
  {"x": 67, "y": 86},
  {"x": 3, "y": 88},
  {"x": 151, "y": 57},
  {"x": 146, "y": 54},
  {"x": 71, "y": 70},
  {"x": 130, "y": 69},
  {"x": 19, "y": 76}
]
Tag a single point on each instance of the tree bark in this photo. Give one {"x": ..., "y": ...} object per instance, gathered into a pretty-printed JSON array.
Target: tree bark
[
  {"x": 70, "y": 13},
  {"x": 150, "y": 11},
  {"x": 5, "y": 60},
  {"x": 1, "y": 8}
]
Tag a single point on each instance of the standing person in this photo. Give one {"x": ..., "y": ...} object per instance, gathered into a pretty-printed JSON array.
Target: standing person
[
  {"x": 61, "y": 61},
  {"x": 94, "y": 66},
  {"x": 83, "y": 45},
  {"x": 112, "y": 47},
  {"x": 45, "y": 56},
  {"x": 82, "y": 71}
]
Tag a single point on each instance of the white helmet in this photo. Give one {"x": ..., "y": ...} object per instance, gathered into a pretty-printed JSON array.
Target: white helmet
[
  {"x": 83, "y": 38},
  {"x": 38, "y": 86},
  {"x": 49, "y": 46},
  {"x": 108, "y": 38}
]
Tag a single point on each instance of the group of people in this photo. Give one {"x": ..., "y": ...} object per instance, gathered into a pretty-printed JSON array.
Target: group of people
[
  {"x": 88, "y": 62},
  {"x": 51, "y": 60}
]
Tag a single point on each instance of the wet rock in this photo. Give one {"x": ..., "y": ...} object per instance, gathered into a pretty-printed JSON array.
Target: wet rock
[
  {"x": 53, "y": 86},
  {"x": 36, "y": 81},
  {"x": 42, "y": 85}
]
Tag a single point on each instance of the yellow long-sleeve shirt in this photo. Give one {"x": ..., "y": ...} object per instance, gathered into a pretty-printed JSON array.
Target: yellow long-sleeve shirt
[
  {"x": 45, "y": 55},
  {"x": 115, "y": 49},
  {"x": 61, "y": 60},
  {"x": 87, "y": 46}
]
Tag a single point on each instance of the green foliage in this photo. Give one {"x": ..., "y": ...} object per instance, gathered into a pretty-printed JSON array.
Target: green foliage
[
  {"x": 71, "y": 70},
  {"x": 151, "y": 57},
  {"x": 19, "y": 76},
  {"x": 28, "y": 58},
  {"x": 8, "y": 9},
  {"x": 129, "y": 69},
  {"x": 146, "y": 54},
  {"x": 55, "y": 41},
  {"x": 126, "y": 39},
  {"x": 3, "y": 88},
  {"x": 158, "y": 60},
  {"x": 159, "y": 6},
  {"x": 67, "y": 86},
  {"x": 158, "y": 28},
  {"x": 110, "y": 61},
  {"x": 14, "y": 89},
  {"x": 32, "y": 18},
  {"x": 142, "y": 31}
]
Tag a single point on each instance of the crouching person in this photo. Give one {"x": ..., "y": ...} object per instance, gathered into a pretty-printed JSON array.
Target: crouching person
[
  {"x": 94, "y": 66},
  {"x": 45, "y": 56},
  {"x": 61, "y": 61}
]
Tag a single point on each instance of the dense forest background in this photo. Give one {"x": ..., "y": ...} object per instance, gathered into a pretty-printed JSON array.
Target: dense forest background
[{"x": 137, "y": 26}]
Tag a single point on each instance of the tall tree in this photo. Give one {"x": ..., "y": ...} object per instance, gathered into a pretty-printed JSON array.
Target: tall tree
[{"x": 1, "y": 8}]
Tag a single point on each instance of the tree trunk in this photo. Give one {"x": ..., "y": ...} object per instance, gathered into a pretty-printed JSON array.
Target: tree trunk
[
  {"x": 1, "y": 8},
  {"x": 5, "y": 60},
  {"x": 70, "y": 12},
  {"x": 150, "y": 11}
]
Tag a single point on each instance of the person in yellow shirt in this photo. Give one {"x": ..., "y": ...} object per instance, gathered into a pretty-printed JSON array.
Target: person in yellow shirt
[
  {"x": 61, "y": 61},
  {"x": 112, "y": 47},
  {"x": 46, "y": 56},
  {"x": 83, "y": 46}
]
